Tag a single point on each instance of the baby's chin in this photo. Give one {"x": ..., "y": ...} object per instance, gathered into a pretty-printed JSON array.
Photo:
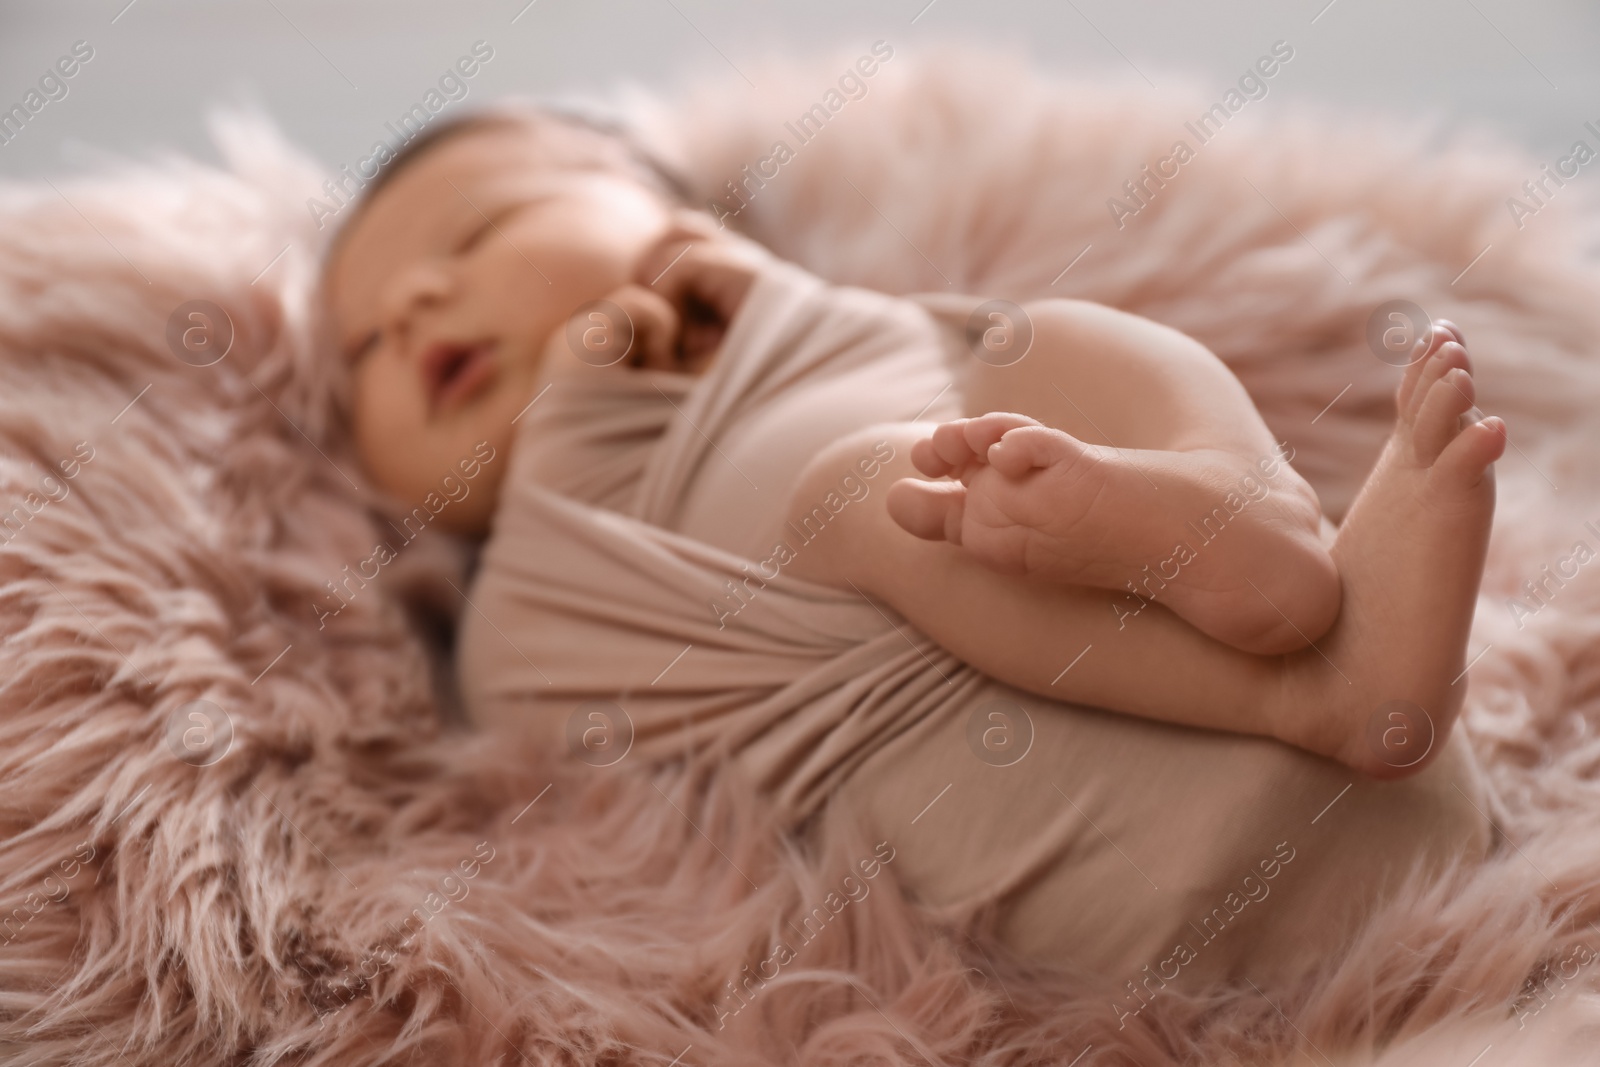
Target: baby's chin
[
  {"x": 450, "y": 477},
  {"x": 463, "y": 498}
]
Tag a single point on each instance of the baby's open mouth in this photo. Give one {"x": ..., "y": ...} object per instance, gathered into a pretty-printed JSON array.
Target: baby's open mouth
[{"x": 453, "y": 373}]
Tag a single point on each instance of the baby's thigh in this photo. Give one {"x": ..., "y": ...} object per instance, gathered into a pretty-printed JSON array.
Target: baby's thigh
[
  {"x": 1112, "y": 378},
  {"x": 1113, "y": 843}
]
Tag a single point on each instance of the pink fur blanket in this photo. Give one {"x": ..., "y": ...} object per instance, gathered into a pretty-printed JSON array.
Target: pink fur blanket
[{"x": 231, "y": 837}]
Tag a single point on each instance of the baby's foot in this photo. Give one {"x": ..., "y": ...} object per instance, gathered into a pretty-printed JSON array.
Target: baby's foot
[
  {"x": 1382, "y": 690},
  {"x": 1231, "y": 544}
]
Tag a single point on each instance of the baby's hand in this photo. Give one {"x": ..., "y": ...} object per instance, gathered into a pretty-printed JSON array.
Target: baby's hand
[
  {"x": 657, "y": 328},
  {"x": 629, "y": 327},
  {"x": 687, "y": 288},
  {"x": 704, "y": 278}
]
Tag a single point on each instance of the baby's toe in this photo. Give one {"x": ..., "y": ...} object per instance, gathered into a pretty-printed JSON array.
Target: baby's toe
[
  {"x": 1438, "y": 418},
  {"x": 925, "y": 457},
  {"x": 930, "y": 510},
  {"x": 1030, "y": 447},
  {"x": 1421, "y": 353},
  {"x": 946, "y": 453},
  {"x": 1410, "y": 392},
  {"x": 1465, "y": 459},
  {"x": 983, "y": 431},
  {"x": 1451, "y": 331},
  {"x": 1449, "y": 356}
]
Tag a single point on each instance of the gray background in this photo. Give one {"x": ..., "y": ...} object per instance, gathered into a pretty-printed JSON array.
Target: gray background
[{"x": 332, "y": 73}]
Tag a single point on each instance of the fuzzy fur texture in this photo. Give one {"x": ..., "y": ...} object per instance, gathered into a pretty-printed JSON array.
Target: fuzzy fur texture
[{"x": 256, "y": 910}]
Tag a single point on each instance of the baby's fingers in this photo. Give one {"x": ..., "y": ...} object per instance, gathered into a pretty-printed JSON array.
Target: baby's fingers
[{"x": 929, "y": 510}]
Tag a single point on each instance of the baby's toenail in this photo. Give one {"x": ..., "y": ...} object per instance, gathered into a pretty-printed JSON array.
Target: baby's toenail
[{"x": 1396, "y": 329}]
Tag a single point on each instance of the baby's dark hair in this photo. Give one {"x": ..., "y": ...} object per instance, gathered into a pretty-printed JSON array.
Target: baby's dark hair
[{"x": 614, "y": 146}]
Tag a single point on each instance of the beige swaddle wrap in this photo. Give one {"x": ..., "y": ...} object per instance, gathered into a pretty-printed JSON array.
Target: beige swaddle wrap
[{"x": 636, "y": 563}]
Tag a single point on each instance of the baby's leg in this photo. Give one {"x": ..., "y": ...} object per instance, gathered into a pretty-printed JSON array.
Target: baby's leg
[
  {"x": 1183, "y": 497},
  {"x": 1379, "y": 691},
  {"x": 1410, "y": 554}
]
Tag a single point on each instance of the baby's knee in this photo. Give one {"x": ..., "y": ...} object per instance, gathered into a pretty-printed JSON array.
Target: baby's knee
[
  {"x": 1061, "y": 323},
  {"x": 1078, "y": 325}
]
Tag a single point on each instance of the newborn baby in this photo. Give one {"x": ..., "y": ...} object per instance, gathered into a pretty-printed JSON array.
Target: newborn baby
[
  {"x": 1079, "y": 503},
  {"x": 892, "y": 564}
]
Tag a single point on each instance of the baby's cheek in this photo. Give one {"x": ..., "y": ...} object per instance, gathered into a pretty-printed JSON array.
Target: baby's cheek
[
  {"x": 556, "y": 357},
  {"x": 472, "y": 513},
  {"x": 388, "y": 423}
]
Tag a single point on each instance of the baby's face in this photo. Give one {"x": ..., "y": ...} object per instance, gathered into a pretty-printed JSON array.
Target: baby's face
[{"x": 447, "y": 287}]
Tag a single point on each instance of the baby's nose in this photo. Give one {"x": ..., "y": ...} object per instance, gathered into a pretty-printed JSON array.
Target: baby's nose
[{"x": 416, "y": 286}]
